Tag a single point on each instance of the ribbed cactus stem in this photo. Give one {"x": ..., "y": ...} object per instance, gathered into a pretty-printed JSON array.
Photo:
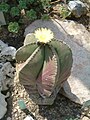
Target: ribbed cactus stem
[{"x": 45, "y": 66}]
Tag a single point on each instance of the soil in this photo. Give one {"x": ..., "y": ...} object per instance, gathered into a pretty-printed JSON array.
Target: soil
[
  {"x": 12, "y": 39},
  {"x": 61, "y": 109}
]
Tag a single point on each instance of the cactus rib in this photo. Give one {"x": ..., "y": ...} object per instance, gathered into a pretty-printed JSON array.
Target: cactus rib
[
  {"x": 25, "y": 51},
  {"x": 32, "y": 67},
  {"x": 30, "y": 38},
  {"x": 49, "y": 73}
]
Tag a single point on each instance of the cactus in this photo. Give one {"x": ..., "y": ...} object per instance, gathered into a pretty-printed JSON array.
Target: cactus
[{"x": 43, "y": 67}]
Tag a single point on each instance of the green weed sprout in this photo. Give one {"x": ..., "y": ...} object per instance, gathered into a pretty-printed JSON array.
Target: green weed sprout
[
  {"x": 31, "y": 15},
  {"x": 14, "y": 11},
  {"x": 22, "y": 4},
  {"x": 4, "y": 7},
  {"x": 13, "y": 27}
]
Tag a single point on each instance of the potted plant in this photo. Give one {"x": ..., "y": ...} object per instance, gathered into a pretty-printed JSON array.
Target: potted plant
[{"x": 43, "y": 64}]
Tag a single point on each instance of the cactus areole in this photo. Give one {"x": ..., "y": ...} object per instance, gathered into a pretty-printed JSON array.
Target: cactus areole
[{"x": 43, "y": 64}]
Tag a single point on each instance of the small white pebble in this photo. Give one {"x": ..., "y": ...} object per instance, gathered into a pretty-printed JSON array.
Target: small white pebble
[
  {"x": 28, "y": 118},
  {"x": 9, "y": 118},
  {"x": 45, "y": 119}
]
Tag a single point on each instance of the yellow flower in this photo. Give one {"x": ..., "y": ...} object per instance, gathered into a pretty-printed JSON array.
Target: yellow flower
[{"x": 43, "y": 35}]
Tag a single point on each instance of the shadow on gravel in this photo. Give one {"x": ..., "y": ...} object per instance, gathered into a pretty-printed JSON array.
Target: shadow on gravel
[{"x": 61, "y": 109}]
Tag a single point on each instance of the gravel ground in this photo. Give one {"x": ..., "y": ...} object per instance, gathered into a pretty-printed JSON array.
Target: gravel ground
[{"x": 61, "y": 109}]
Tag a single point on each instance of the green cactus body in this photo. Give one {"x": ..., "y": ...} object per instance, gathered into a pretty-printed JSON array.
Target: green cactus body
[{"x": 43, "y": 67}]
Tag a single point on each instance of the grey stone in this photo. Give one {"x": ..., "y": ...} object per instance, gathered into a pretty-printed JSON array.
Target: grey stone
[
  {"x": 3, "y": 105},
  {"x": 77, "y": 87},
  {"x": 77, "y": 8},
  {"x": 2, "y": 45},
  {"x": 1, "y": 65},
  {"x": 8, "y": 53},
  {"x": 8, "y": 70},
  {"x": 1, "y": 79},
  {"x": 78, "y": 32},
  {"x": 2, "y": 19},
  {"x": 3, "y": 84}
]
